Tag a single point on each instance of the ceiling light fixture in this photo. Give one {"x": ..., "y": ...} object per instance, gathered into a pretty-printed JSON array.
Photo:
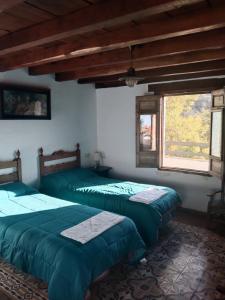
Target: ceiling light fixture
[{"x": 131, "y": 79}]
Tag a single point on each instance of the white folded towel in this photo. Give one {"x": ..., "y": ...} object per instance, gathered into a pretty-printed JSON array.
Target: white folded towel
[
  {"x": 148, "y": 196},
  {"x": 92, "y": 227}
]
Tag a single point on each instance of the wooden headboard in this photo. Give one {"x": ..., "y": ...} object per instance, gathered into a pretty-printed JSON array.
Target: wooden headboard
[
  {"x": 57, "y": 155},
  {"x": 13, "y": 176}
]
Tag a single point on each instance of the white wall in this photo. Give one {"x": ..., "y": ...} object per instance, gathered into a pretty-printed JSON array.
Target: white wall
[
  {"x": 116, "y": 138},
  {"x": 73, "y": 120}
]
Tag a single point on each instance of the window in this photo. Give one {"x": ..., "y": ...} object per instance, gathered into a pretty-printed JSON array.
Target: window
[
  {"x": 181, "y": 132},
  {"x": 186, "y": 132}
]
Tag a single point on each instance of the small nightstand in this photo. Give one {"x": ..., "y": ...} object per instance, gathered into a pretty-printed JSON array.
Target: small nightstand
[{"x": 101, "y": 170}]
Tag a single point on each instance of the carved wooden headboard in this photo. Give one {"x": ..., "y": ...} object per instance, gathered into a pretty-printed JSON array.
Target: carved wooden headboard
[
  {"x": 58, "y": 155},
  {"x": 15, "y": 164}
]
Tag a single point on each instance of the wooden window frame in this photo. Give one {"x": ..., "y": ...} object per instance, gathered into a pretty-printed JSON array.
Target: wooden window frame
[
  {"x": 217, "y": 104},
  {"x": 214, "y": 159},
  {"x": 151, "y": 157}
]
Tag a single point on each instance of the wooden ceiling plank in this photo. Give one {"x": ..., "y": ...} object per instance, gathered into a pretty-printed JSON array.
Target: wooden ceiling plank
[
  {"x": 12, "y": 23},
  {"x": 200, "y": 41},
  {"x": 89, "y": 19},
  {"x": 4, "y": 5},
  {"x": 199, "y": 21},
  {"x": 29, "y": 12},
  {"x": 58, "y": 7},
  {"x": 159, "y": 62},
  {"x": 107, "y": 42}
]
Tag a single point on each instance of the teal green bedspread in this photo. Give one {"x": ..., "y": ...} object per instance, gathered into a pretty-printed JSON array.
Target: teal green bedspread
[
  {"x": 84, "y": 186},
  {"x": 30, "y": 239}
]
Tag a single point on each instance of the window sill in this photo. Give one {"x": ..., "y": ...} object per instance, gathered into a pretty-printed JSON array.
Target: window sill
[{"x": 186, "y": 171}]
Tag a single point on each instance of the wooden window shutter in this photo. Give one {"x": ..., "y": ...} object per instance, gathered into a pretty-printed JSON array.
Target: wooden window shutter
[
  {"x": 217, "y": 134},
  {"x": 147, "y": 131}
]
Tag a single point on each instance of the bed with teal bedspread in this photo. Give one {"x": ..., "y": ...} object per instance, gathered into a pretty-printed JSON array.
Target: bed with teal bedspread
[
  {"x": 30, "y": 226},
  {"x": 84, "y": 186}
]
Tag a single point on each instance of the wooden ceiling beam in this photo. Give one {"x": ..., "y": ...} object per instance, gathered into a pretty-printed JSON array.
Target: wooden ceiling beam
[
  {"x": 158, "y": 62},
  {"x": 204, "y": 20},
  {"x": 198, "y": 21},
  {"x": 191, "y": 86},
  {"x": 200, "y": 41},
  {"x": 4, "y": 5},
  {"x": 167, "y": 71},
  {"x": 88, "y": 19},
  {"x": 41, "y": 55},
  {"x": 197, "y": 75},
  {"x": 106, "y": 85},
  {"x": 94, "y": 60}
]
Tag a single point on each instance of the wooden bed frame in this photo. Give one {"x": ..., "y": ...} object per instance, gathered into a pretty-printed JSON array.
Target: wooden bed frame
[
  {"x": 13, "y": 176},
  {"x": 57, "y": 155}
]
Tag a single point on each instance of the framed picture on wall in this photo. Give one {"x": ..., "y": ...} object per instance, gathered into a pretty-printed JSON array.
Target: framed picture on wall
[{"x": 24, "y": 103}]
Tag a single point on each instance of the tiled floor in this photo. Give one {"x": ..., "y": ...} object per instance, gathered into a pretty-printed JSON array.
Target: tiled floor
[
  {"x": 195, "y": 219},
  {"x": 188, "y": 263}
]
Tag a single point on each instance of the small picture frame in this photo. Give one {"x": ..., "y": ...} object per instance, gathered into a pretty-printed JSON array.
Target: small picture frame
[{"x": 24, "y": 103}]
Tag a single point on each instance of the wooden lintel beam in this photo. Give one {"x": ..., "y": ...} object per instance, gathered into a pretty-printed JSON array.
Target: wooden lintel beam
[
  {"x": 154, "y": 63},
  {"x": 173, "y": 78},
  {"x": 191, "y": 86},
  {"x": 88, "y": 19},
  {"x": 200, "y": 41}
]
